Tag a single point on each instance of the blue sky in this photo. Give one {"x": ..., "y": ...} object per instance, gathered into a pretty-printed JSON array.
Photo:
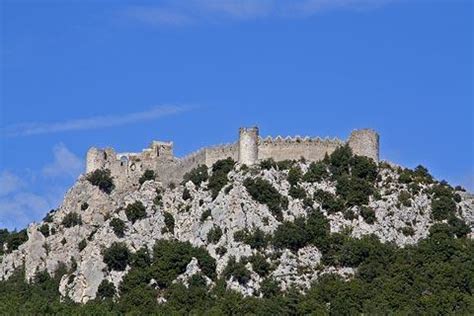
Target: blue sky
[{"x": 118, "y": 73}]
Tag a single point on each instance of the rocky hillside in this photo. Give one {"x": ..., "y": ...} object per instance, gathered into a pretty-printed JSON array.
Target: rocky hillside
[{"x": 275, "y": 226}]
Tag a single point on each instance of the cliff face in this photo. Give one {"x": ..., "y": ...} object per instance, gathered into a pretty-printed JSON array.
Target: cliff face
[{"x": 239, "y": 219}]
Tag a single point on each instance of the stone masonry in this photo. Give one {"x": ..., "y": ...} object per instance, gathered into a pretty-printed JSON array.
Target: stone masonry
[{"x": 249, "y": 149}]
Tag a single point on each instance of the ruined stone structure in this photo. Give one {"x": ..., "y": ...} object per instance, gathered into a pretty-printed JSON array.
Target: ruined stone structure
[{"x": 249, "y": 149}]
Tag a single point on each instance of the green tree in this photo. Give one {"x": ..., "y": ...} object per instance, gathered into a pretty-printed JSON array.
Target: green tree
[
  {"x": 118, "y": 226},
  {"x": 102, "y": 179},
  {"x": 117, "y": 256},
  {"x": 106, "y": 290},
  {"x": 135, "y": 211},
  {"x": 147, "y": 176},
  {"x": 71, "y": 219},
  {"x": 169, "y": 222},
  {"x": 214, "y": 235},
  {"x": 197, "y": 175}
]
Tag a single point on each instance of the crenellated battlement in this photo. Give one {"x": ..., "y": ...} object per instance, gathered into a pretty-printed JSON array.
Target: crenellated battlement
[{"x": 249, "y": 149}]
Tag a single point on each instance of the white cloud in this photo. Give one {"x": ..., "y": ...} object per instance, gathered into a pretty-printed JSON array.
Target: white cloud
[
  {"x": 65, "y": 163},
  {"x": 25, "y": 129},
  {"x": 180, "y": 13},
  {"x": 28, "y": 200},
  {"x": 156, "y": 16},
  {"x": 9, "y": 183},
  {"x": 20, "y": 209}
]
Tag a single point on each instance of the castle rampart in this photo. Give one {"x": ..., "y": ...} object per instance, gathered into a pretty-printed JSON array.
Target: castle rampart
[{"x": 126, "y": 168}]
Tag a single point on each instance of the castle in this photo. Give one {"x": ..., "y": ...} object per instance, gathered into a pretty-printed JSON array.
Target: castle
[{"x": 127, "y": 168}]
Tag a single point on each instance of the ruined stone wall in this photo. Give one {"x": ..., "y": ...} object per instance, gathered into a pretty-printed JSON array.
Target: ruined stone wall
[
  {"x": 312, "y": 149},
  {"x": 127, "y": 168},
  {"x": 214, "y": 154}
]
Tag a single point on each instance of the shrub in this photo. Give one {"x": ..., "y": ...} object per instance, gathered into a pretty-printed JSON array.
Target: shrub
[
  {"x": 218, "y": 179},
  {"x": 459, "y": 227},
  {"x": 354, "y": 191},
  {"x": 106, "y": 290},
  {"x": 263, "y": 192},
  {"x": 49, "y": 217},
  {"x": 368, "y": 214},
  {"x": 135, "y": 211},
  {"x": 186, "y": 194},
  {"x": 117, "y": 256},
  {"x": 317, "y": 171},
  {"x": 291, "y": 235},
  {"x": 364, "y": 168},
  {"x": 214, "y": 235},
  {"x": 147, "y": 176},
  {"x": 221, "y": 250},
  {"x": 285, "y": 164},
  {"x": 405, "y": 198},
  {"x": 294, "y": 175},
  {"x": 84, "y": 206},
  {"x": 82, "y": 244},
  {"x": 442, "y": 208},
  {"x": 256, "y": 239},
  {"x": 170, "y": 259},
  {"x": 207, "y": 213},
  {"x": 268, "y": 164},
  {"x": 158, "y": 200},
  {"x": 44, "y": 229},
  {"x": 118, "y": 226},
  {"x": 405, "y": 176},
  {"x": 270, "y": 288},
  {"x": 228, "y": 189},
  {"x": 260, "y": 265},
  {"x": 349, "y": 214},
  {"x": 340, "y": 160},
  {"x": 237, "y": 270},
  {"x": 303, "y": 231},
  {"x": 197, "y": 175},
  {"x": 141, "y": 258},
  {"x": 318, "y": 229},
  {"x": 297, "y": 192},
  {"x": 15, "y": 239},
  {"x": 408, "y": 231},
  {"x": 422, "y": 175},
  {"x": 329, "y": 201},
  {"x": 169, "y": 222},
  {"x": 71, "y": 219},
  {"x": 102, "y": 179}
]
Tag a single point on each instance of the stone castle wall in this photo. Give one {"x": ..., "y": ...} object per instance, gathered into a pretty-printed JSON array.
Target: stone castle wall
[
  {"x": 312, "y": 149},
  {"x": 127, "y": 168}
]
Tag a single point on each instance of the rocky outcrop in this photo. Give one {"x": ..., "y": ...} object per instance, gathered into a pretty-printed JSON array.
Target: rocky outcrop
[{"x": 80, "y": 247}]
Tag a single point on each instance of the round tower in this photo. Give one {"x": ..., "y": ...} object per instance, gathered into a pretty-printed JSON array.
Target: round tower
[
  {"x": 248, "y": 145},
  {"x": 95, "y": 159}
]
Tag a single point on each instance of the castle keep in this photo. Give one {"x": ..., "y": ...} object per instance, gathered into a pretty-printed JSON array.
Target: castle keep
[{"x": 249, "y": 149}]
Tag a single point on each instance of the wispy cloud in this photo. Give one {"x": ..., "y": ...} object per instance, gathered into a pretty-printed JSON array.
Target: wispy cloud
[
  {"x": 186, "y": 12},
  {"x": 9, "y": 182},
  {"x": 35, "y": 128},
  {"x": 65, "y": 163},
  {"x": 24, "y": 199}
]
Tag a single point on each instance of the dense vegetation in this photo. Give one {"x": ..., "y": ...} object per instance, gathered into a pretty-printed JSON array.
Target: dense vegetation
[{"x": 434, "y": 277}]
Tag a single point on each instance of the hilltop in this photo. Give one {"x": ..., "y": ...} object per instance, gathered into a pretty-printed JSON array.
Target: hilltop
[{"x": 344, "y": 234}]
